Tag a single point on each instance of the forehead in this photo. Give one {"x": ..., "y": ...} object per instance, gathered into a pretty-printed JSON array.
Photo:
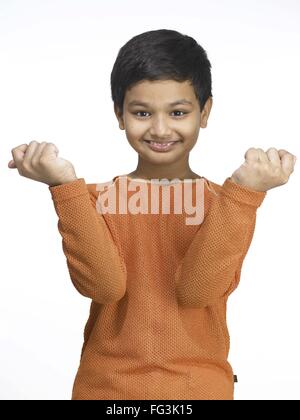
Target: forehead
[{"x": 162, "y": 91}]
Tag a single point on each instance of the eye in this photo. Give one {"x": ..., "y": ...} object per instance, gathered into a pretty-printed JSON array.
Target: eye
[
  {"x": 182, "y": 113},
  {"x": 140, "y": 112},
  {"x": 144, "y": 112}
]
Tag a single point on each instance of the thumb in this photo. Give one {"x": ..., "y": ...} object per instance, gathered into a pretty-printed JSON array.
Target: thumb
[
  {"x": 287, "y": 163},
  {"x": 11, "y": 164},
  {"x": 282, "y": 152}
]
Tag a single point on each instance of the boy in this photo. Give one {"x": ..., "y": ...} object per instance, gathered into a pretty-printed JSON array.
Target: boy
[{"x": 159, "y": 288}]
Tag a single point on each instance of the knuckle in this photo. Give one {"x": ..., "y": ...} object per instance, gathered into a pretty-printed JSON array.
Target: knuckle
[
  {"x": 34, "y": 162},
  {"x": 263, "y": 167},
  {"x": 256, "y": 166},
  {"x": 25, "y": 166},
  {"x": 33, "y": 142},
  {"x": 43, "y": 160}
]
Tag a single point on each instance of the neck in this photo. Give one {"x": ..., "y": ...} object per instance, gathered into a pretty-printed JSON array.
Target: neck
[{"x": 148, "y": 170}]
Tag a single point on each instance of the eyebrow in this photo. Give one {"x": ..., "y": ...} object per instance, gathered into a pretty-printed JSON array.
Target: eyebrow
[{"x": 178, "y": 102}]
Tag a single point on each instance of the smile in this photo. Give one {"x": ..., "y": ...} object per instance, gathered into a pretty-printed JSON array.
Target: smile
[{"x": 161, "y": 147}]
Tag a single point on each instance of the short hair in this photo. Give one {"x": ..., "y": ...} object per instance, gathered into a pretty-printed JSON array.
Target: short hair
[{"x": 161, "y": 54}]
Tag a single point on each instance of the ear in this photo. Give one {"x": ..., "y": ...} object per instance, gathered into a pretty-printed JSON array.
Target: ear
[
  {"x": 205, "y": 112},
  {"x": 119, "y": 116}
]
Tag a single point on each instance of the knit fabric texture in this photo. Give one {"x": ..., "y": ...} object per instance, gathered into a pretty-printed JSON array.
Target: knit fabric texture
[{"x": 158, "y": 287}]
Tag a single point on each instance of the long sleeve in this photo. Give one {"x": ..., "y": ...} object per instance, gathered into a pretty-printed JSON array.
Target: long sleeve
[
  {"x": 211, "y": 267},
  {"x": 94, "y": 263}
]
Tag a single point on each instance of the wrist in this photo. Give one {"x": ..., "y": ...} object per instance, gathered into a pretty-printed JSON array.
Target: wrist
[
  {"x": 248, "y": 185},
  {"x": 232, "y": 179},
  {"x": 63, "y": 181}
]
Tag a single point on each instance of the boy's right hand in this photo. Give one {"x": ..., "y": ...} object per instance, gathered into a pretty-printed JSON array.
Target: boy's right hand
[{"x": 40, "y": 162}]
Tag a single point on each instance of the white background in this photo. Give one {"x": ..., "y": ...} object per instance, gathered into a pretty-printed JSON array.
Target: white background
[{"x": 55, "y": 64}]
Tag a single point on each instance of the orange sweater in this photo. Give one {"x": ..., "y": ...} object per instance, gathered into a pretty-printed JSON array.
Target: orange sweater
[{"x": 159, "y": 288}]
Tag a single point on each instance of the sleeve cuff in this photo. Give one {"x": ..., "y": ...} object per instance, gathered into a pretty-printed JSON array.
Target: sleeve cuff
[
  {"x": 242, "y": 193},
  {"x": 68, "y": 190}
]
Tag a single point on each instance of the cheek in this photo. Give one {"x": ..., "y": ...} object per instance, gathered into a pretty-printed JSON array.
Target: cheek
[
  {"x": 188, "y": 130},
  {"x": 134, "y": 129}
]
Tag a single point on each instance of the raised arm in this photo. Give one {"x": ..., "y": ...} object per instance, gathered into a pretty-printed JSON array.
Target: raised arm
[
  {"x": 212, "y": 264},
  {"x": 95, "y": 266}
]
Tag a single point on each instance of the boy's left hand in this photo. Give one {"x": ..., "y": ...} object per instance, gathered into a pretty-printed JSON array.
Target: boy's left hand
[{"x": 262, "y": 171}]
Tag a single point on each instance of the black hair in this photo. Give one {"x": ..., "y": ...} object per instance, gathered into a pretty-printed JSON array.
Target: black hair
[{"x": 161, "y": 54}]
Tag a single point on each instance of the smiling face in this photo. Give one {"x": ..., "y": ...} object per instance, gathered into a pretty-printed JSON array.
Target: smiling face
[{"x": 162, "y": 111}]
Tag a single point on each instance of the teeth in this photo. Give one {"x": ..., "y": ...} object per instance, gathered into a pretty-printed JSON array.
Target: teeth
[{"x": 162, "y": 144}]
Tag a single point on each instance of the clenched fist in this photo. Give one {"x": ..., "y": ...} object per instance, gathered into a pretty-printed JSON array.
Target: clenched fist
[
  {"x": 262, "y": 171},
  {"x": 40, "y": 162}
]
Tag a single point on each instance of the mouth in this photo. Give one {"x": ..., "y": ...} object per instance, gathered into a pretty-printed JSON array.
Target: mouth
[{"x": 161, "y": 146}]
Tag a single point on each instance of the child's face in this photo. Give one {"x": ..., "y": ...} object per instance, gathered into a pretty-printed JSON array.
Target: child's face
[{"x": 161, "y": 122}]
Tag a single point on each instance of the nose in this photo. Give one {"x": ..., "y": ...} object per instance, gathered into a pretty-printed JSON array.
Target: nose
[{"x": 160, "y": 128}]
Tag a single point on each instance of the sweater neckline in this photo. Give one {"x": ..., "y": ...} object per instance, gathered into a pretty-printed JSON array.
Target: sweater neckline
[{"x": 159, "y": 180}]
